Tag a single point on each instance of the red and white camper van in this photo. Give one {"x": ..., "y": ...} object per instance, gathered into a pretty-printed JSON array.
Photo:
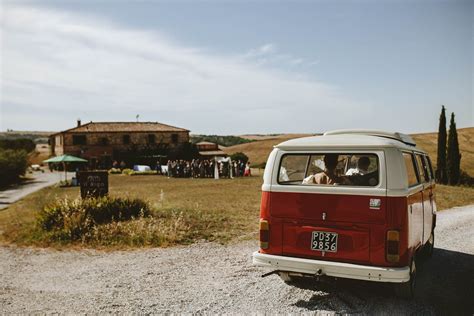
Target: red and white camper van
[{"x": 348, "y": 204}]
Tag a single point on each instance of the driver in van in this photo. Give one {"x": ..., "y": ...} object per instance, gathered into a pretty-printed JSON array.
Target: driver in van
[
  {"x": 328, "y": 176},
  {"x": 362, "y": 167}
]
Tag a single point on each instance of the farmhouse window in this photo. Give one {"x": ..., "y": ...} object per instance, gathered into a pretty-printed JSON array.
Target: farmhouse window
[
  {"x": 79, "y": 140},
  {"x": 103, "y": 141},
  {"x": 126, "y": 139},
  {"x": 151, "y": 138},
  {"x": 174, "y": 138}
]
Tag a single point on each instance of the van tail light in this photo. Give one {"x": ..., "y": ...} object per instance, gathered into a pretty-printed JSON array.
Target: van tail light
[
  {"x": 264, "y": 234},
  {"x": 393, "y": 241}
]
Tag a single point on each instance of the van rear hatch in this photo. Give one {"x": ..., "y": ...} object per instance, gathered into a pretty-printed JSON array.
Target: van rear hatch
[{"x": 327, "y": 225}]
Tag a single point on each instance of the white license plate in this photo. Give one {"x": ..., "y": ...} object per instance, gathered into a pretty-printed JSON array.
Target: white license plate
[{"x": 324, "y": 241}]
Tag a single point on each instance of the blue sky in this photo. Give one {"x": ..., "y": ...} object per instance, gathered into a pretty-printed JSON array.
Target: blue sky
[{"x": 233, "y": 67}]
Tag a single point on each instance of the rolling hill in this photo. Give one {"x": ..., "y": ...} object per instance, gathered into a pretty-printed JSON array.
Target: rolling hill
[{"x": 258, "y": 150}]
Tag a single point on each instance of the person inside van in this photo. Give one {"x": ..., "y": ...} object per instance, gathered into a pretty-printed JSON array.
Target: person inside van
[
  {"x": 362, "y": 167},
  {"x": 328, "y": 176}
]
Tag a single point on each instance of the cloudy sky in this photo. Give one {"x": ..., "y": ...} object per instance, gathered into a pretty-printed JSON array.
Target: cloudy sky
[{"x": 236, "y": 67}]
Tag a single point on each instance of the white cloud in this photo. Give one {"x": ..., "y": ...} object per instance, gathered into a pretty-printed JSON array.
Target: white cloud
[{"x": 59, "y": 66}]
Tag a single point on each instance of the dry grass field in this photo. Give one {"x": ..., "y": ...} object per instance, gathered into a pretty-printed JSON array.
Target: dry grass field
[
  {"x": 429, "y": 142},
  {"x": 186, "y": 210},
  {"x": 190, "y": 209},
  {"x": 258, "y": 151}
]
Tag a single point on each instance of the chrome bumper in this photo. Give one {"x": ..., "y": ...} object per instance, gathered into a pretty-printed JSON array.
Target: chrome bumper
[{"x": 331, "y": 268}]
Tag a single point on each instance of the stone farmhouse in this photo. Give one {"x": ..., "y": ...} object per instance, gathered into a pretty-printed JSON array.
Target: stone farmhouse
[{"x": 102, "y": 143}]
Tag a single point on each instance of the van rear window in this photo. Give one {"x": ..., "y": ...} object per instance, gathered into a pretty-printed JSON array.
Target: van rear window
[{"x": 329, "y": 169}]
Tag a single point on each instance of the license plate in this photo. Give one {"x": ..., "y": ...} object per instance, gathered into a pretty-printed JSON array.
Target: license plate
[{"x": 324, "y": 241}]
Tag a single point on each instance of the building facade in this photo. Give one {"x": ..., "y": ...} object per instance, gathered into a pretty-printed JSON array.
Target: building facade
[{"x": 102, "y": 143}]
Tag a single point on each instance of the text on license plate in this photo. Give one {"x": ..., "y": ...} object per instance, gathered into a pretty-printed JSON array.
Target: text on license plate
[{"x": 324, "y": 241}]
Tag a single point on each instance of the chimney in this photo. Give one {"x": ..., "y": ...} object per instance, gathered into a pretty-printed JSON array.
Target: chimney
[{"x": 78, "y": 122}]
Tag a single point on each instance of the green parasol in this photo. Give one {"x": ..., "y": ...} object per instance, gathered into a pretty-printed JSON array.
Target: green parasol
[{"x": 64, "y": 159}]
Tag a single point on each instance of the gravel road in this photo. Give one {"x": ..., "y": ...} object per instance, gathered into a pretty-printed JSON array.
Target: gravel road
[{"x": 207, "y": 277}]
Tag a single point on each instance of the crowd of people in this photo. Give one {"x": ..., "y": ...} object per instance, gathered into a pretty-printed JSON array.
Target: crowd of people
[{"x": 204, "y": 168}]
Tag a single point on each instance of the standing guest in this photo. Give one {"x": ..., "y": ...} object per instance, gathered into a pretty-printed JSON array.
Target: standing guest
[
  {"x": 247, "y": 172},
  {"x": 122, "y": 165},
  {"x": 158, "y": 167},
  {"x": 241, "y": 167}
]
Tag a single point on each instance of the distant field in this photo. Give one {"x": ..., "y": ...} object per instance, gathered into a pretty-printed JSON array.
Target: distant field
[{"x": 259, "y": 150}]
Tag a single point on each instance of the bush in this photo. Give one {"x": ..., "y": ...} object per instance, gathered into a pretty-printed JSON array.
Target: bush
[
  {"x": 239, "y": 156},
  {"x": 259, "y": 165},
  {"x": 466, "y": 179},
  {"x": 13, "y": 164},
  {"x": 127, "y": 171},
  {"x": 18, "y": 144},
  {"x": 73, "y": 220},
  {"x": 115, "y": 171},
  {"x": 143, "y": 173}
]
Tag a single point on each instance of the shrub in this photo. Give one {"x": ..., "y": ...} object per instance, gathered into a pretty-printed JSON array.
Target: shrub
[
  {"x": 18, "y": 144},
  {"x": 259, "y": 165},
  {"x": 72, "y": 220},
  {"x": 13, "y": 164},
  {"x": 115, "y": 171},
  {"x": 466, "y": 179},
  {"x": 143, "y": 173},
  {"x": 127, "y": 171},
  {"x": 239, "y": 156}
]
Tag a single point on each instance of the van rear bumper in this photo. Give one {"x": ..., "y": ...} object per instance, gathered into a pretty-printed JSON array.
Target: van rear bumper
[{"x": 333, "y": 269}]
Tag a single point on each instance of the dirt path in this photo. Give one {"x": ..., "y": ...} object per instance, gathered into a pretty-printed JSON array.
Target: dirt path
[
  {"x": 39, "y": 180},
  {"x": 207, "y": 277}
]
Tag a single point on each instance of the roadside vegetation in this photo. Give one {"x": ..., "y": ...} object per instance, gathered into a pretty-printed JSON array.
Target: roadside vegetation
[
  {"x": 177, "y": 211},
  {"x": 14, "y": 159},
  {"x": 150, "y": 212}
]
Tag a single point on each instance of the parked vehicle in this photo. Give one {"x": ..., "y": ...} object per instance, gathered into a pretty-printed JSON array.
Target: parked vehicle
[{"x": 348, "y": 204}]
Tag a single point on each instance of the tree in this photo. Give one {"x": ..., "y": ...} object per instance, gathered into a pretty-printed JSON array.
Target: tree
[
  {"x": 13, "y": 164},
  {"x": 454, "y": 156},
  {"x": 441, "y": 174},
  {"x": 186, "y": 151},
  {"x": 239, "y": 156}
]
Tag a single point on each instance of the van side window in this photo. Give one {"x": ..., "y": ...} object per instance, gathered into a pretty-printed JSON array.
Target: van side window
[
  {"x": 411, "y": 169},
  {"x": 329, "y": 169},
  {"x": 422, "y": 170},
  {"x": 430, "y": 167},
  {"x": 426, "y": 168}
]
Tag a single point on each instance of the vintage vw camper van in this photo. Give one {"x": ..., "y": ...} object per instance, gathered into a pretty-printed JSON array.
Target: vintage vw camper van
[{"x": 348, "y": 204}]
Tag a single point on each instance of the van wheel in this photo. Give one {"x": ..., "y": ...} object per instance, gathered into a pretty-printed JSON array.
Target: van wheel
[
  {"x": 407, "y": 289},
  {"x": 429, "y": 247}
]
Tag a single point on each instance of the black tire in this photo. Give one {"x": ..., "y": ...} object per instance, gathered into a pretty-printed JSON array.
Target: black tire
[
  {"x": 429, "y": 246},
  {"x": 406, "y": 290}
]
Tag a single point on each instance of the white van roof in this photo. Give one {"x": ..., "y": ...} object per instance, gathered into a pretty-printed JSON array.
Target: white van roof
[
  {"x": 351, "y": 139},
  {"x": 404, "y": 138}
]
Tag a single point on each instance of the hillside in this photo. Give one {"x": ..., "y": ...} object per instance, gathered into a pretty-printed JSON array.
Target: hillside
[
  {"x": 429, "y": 142},
  {"x": 258, "y": 150}
]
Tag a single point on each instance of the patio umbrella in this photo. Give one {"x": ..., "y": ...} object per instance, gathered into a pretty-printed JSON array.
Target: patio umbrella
[{"x": 64, "y": 159}]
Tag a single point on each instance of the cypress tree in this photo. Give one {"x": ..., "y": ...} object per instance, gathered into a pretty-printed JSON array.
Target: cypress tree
[
  {"x": 441, "y": 175},
  {"x": 454, "y": 156}
]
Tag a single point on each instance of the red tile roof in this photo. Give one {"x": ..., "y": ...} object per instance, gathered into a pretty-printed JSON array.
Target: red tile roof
[{"x": 126, "y": 127}]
